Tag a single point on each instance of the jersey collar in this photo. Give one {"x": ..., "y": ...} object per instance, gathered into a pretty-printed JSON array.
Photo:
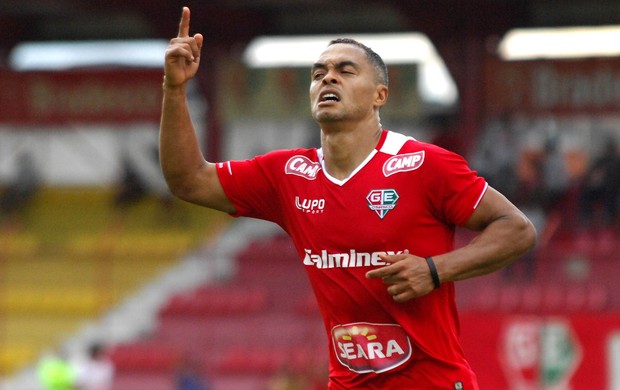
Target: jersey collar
[{"x": 379, "y": 147}]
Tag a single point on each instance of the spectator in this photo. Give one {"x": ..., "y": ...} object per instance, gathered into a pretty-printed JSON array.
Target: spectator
[
  {"x": 188, "y": 376},
  {"x": 96, "y": 371},
  {"x": 130, "y": 187},
  {"x": 139, "y": 180},
  {"x": 555, "y": 180},
  {"x": 496, "y": 156},
  {"x": 543, "y": 183},
  {"x": 56, "y": 373},
  {"x": 287, "y": 379},
  {"x": 601, "y": 187},
  {"x": 26, "y": 183}
]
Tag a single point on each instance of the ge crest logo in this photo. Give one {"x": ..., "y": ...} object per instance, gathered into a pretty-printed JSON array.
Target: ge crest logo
[{"x": 382, "y": 201}]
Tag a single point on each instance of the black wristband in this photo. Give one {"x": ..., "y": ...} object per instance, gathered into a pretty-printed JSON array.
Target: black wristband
[{"x": 434, "y": 275}]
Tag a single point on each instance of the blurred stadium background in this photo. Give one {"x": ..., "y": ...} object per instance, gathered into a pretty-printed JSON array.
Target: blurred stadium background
[{"x": 93, "y": 249}]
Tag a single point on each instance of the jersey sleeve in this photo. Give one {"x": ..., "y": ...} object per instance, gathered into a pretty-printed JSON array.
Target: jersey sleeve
[
  {"x": 250, "y": 186},
  {"x": 455, "y": 189}
]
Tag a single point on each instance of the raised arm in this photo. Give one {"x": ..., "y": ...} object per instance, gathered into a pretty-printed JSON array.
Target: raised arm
[{"x": 188, "y": 175}]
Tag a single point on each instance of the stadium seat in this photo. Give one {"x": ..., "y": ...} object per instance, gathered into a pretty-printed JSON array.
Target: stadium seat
[
  {"x": 509, "y": 299},
  {"x": 262, "y": 360},
  {"x": 207, "y": 301},
  {"x": 145, "y": 357},
  {"x": 143, "y": 381},
  {"x": 531, "y": 299}
]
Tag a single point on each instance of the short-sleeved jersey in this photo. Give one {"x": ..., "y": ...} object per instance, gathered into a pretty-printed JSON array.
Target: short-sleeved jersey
[{"x": 407, "y": 195}]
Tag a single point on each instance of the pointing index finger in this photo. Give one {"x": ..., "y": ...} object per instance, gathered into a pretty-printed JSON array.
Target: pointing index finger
[
  {"x": 184, "y": 24},
  {"x": 387, "y": 270}
]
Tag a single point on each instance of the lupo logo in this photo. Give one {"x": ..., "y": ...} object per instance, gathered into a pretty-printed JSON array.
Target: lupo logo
[{"x": 311, "y": 206}]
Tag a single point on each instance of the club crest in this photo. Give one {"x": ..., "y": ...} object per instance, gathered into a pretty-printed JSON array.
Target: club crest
[{"x": 381, "y": 201}]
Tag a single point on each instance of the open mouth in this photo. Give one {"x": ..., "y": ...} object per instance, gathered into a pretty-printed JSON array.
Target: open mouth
[{"x": 330, "y": 97}]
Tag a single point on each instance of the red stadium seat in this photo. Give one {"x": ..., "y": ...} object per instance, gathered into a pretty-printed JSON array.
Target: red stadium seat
[
  {"x": 145, "y": 357},
  {"x": 206, "y": 301}
]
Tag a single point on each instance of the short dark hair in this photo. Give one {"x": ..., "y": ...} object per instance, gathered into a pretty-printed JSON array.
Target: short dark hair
[
  {"x": 95, "y": 350},
  {"x": 374, "y": 58}
]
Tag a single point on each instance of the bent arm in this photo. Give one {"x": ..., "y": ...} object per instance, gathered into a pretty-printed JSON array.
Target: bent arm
[
  {"x": 187, "y": 174},
  {"x": 505, "y": 234}
]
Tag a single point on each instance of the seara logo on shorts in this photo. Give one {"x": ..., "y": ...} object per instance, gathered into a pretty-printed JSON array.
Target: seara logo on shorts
[
  {"x": 364, "y": 347},
  {"x": 302, "y": 166},
  {"x": 403, "y": 163}
]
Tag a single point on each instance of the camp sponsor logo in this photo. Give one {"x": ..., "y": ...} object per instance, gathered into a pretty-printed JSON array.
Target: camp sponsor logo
[
  {"x": 310, "y": 206},
  {"x": 365, "y": 347},
  {"x": 345, "y": 260},
  {"x": 382, "y": 201},
  {"x": 403, "y": 163},
  {"x": 302, "y": 166}
]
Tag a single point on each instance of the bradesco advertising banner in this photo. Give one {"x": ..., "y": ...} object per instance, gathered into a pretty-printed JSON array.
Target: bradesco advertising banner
[
  {"x": 514, "y": 352},
  {"x": 84, "y": 96},
  {"x": 559, "y": 87}
]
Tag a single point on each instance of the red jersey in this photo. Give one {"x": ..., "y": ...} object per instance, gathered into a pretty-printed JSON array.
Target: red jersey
[{"x": 407, "y": 195}]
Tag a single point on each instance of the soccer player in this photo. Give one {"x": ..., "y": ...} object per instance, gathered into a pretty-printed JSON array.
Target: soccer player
[{"x": 372, "y": 214}]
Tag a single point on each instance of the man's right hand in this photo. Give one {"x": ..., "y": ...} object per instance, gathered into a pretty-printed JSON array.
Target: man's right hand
[{"x": 182, "y": 55}]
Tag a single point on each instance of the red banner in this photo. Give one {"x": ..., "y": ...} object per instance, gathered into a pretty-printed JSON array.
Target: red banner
[
  {"x": 590, "y": 86},
  {"x": 576, "y": 352},
  {"x": 84, "y": 96}
]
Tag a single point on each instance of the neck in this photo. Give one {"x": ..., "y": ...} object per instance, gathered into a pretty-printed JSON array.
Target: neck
[{"x": 344, "y": 151}]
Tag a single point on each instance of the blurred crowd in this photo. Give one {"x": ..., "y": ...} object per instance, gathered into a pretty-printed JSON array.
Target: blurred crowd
[
  {"x": 92, "y": 371},
  {"x": 559, "y": 188},
  {"x": 20, "y": 190}
]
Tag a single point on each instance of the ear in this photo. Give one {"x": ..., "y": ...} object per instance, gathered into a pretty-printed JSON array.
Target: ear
[{"x": 381, "y": 95}]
